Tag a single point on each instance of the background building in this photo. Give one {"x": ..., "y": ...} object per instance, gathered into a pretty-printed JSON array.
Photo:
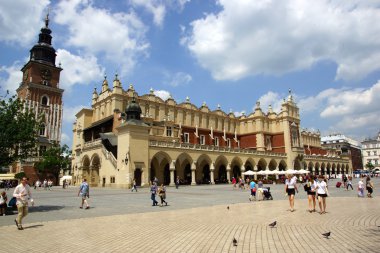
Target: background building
[
  {"x": 40, "y": 91},
  {"x": 371, "y": 151},
  {"x": 341, "y": 144},
  {"x": 164, "y": 139}
]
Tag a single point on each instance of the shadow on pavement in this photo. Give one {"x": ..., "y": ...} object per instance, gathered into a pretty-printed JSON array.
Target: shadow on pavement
[
  {"x": 44, "y": 208},
  {"x": 34, "y": 226}
]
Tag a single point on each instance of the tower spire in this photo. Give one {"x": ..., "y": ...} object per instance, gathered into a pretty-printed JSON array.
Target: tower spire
[{"x": 47, "y": 18}]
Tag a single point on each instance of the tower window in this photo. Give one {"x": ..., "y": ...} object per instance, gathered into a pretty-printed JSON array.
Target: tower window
[{"x": 44, "y": 100}]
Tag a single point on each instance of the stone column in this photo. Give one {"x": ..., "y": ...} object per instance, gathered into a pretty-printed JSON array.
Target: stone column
[
  {"x": 255, "y": 176},
  {"x": 193, "y": 168},
  {"x": 143, "y": 183},
  {"x": 228, "y": 173},
  {"x": 277, "y": 174},
  {"x": 172, "y": 169},
  {"x": 242, "y": 170},
  {"x": 212, "y": 168}
]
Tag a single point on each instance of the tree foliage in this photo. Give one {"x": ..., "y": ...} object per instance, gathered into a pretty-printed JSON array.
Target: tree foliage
[
  {"x": 18, "y": 131},
  {"x": 54, "y": 159},
  {"x": 369, "y": 166}
]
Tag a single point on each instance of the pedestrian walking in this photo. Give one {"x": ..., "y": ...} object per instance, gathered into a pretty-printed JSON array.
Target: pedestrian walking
[
  {"x": 84, "y": 192},
  {"x": 310, "y": 188},
  {"x": 349, "y": 183},
  {"x": 153, "y": 192},
  {"x": 134, "y": 185},
  {"x": 45, "y": 184},
  {"x": 369, "y": 186},
  {"x": 360, "y": 188},
  {"x": 233, "y": 181},
  {"x": 162, "y": 194},
  {"x": 322, "y": 194},
  {"x": 252, "y": 187},
  {"x": 291, "y": 189},
  {"x": 50, "y": 184},
  {"x": 22, "y": 193},
  {"x": 3, "y": 203},
  {"x": 177, "y": 182}
]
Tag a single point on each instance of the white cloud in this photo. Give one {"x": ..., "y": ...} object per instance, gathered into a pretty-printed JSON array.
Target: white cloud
[
  {"x": 177, "y": 79},
  {"x": 19, "y": 20},
  {"x": 158, "y": 8},
  {"x": 238, "y": 114},
  {"x": 65, "y": 139},
  {"x": 163, "y": 94},
  {"x": 120, "y": 36},
  {"x": 10, "y": 78},
  {"x": 276, "y": 37},
  {"x": 69, "y": 113},
  {"x": 270, "y": 98},
  {"x": 353, "y": 111},
  {"x": 78, "y": 69}
]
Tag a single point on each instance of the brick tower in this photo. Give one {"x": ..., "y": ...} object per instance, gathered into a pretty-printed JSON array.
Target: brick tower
[{"x": 40, "y": 90}]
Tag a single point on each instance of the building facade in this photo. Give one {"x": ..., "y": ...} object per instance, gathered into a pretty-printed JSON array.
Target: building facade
[
  {"x": 344, "y": 145},
  {"x": 125, "y": 136},
  {"x": 39, "y": 89},
  {"x": 371, "y": 151}
]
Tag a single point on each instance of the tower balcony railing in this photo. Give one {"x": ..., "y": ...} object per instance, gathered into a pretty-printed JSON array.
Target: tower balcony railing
[
  {"x": 92, "y": 144},
  {"x": 210, "y": 148}
]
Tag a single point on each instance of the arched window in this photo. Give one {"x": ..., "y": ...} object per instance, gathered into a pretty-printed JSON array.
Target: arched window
[
  {"x": 42, "y": 129},
  {"x": 44, "y": 100}
]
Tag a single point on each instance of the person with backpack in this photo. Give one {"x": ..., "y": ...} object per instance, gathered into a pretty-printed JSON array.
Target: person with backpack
[{"x": 84, "y": 192}]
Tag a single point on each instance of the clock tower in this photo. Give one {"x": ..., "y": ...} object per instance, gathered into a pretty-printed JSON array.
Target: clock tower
[{"x": 40, "y": 91}]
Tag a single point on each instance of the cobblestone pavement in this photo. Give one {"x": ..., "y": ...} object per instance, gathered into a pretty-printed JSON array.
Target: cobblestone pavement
[{"x": 196, "y": 220}]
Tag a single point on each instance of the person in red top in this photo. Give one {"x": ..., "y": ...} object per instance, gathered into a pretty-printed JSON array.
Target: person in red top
[{"x": 233, "y": 182}]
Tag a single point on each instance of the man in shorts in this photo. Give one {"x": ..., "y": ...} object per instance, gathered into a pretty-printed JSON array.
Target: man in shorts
[{"x": 84, "y": 192}]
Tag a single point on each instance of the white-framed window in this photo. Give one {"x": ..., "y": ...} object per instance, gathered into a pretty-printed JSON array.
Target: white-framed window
[
  {"x": 229, "y": 142},
  {"x": 369, "y": 153},
  {"x": 112, "y": 180},
  {"x": 42, "y": 129},
  {"x": 216, "y": 141},
  {"x": 186, "y": 138},
  {"x": 202, "y": 140},
  {"x": 169, "y": 131},
  {"x": 374, "y": 152}
]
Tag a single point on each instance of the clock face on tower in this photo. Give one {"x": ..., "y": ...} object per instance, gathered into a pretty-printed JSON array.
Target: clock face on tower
[{"x": 45, "y": 74}]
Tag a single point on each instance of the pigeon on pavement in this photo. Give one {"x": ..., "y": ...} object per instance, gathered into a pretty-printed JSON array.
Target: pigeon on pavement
[{"x": 273, "y": 224}]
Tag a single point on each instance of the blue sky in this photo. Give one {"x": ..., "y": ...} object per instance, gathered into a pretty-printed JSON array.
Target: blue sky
[{"x": 231, "y": 53}]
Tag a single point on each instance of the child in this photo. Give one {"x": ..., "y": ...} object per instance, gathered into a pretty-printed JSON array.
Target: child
[{"x": 3, "y": 203}]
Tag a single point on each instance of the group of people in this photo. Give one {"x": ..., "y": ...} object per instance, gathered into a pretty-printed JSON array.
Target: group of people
[
  {"x": 160, "y": 191},
  {"x": 46, "y": 184},
  {"x": 368, "y": 186}
]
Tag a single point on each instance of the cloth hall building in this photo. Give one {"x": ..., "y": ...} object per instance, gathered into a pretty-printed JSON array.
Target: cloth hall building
[{"x": 125, "y": 136}]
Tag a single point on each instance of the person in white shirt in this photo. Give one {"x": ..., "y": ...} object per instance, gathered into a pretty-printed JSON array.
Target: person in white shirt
[
  {"x": 290, "y": 189},
  {"x": 322, "y": 194},
  {"x": 360, "y": 188},
  {"x": 22, "y": 193}
]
